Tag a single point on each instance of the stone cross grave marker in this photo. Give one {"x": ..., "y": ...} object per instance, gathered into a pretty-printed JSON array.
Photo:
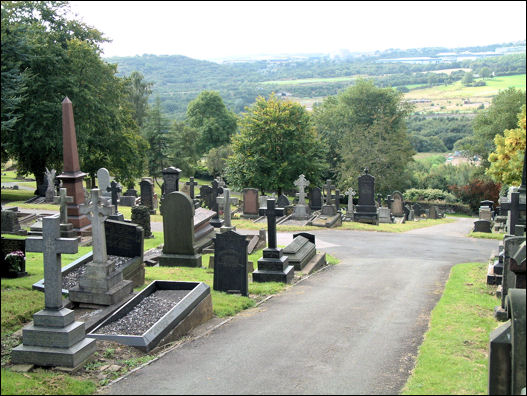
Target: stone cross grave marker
[
  {"x": 271, "y": 213},
  {"x": 328, "y": 187},
  {"x": 103, "y": 179},
  {"x": 97, "y": 214},
  {"x": 191, "y": 183},
  {"x": 350, "y": 193},
  {"x": 52, "y": 246},
  {"x": 226, "y": 201},
  {"x": 301, "y": 183},
  {"x": 114, "y": 189},
  {"x": 54, "y": 338},
  {"x": 63, "y": 200},
  {"x": 215, "y": 191}
]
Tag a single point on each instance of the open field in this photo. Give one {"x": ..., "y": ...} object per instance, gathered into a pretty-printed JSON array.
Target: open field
[{"x": 443, "y": 99}]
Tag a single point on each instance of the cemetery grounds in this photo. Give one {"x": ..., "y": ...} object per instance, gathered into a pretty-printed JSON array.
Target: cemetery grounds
[{"x": 466, "y": 294}]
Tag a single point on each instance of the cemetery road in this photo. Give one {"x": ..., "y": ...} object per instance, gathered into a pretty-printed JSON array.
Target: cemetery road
[{"x": 353, "y": 328}]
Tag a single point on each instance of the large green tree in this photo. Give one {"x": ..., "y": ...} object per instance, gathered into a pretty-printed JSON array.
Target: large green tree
[
  {"x": 365, "y": 127},
  {"x": 501, "y": 115},
  {"x": 276, "y": 143},
  {"x": 183, "y": 149},
  {"x": 62, "y": 58},
  {"x": 214, "y": 122},
  {"x": 139, "y": 91}
]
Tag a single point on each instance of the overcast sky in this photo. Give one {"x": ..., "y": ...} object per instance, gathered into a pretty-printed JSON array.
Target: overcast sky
[{"x": 213, "y": 30}]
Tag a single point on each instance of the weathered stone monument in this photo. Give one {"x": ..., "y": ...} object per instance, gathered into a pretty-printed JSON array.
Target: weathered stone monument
[
  {"x": 230, "y": 263},
  {"x": 397, "y": 206},
  {"x": 50, "y": 189},
  {"x": 147, "y": 193},
  {"x": 103, "y": 180},
  {"x": 226, "y": 202},
  {"x": 54, "y": 338},
  {"x": 141, "y": 217},
  {"x": 301, "y": 210},
  {"x": 250, "y": 203},
  {"x": 329, "y": 209},
  {"x": 179, "y": 248},
  {"x": 366, "y": 210},
  {"x": 191, "y": 184},
  {"x": 101, "y": 283},
  {"x": 349, "y": 212},
  {"x": 170, "y": 180},
  {"x": 66, "y": 228},
  {"x": 72, "y": 177},
  {"x": 273, "y": 266}
]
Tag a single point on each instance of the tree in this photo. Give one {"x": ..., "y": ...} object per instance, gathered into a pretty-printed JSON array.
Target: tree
[
  {"x": 485, "y": 72},
  {"x": 183, "y": 149},
  {"x": 500, "y": 116},
  {"x": 61, "y": 58},
  {"x": 365, "y": 127},
  {"x": 506, "y": 162},
  {"x": 138, "y": 94},
  {"x": 160, "y": 140},
  {"x": 214, "y": 122},
  {"x": 468, "y": 78},
  {"x": 276, "y": 144},
  {"x": 217, "y": 159}
]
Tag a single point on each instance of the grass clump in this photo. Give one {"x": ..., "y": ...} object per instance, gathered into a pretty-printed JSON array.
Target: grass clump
[
  {"x": 486, "y": 235},
  {"x": 453, "y": 359}
]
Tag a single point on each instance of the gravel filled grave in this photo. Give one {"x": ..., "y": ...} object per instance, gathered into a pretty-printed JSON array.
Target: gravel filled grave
[{"x": 145, "y": 314}]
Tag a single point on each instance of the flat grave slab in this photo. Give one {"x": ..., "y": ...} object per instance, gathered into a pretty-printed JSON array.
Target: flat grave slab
[{"x": 152, "y": 314}]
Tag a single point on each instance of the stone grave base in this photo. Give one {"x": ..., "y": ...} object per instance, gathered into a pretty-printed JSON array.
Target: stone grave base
[
  {"x": 54, "y": 338},
  {"x": 192, "y": 310},
  {"x": 274, "y": 276},
  {"x": 183, "y": 260},
  {"x": 317, "y": 261},
  {"x": 327, "y": 221},
  {"x": 368, "y": 218},
  {"x": 110, "y": 297}
]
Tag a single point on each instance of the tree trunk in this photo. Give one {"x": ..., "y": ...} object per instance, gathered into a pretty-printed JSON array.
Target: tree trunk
[{"x": 42, "y": 184}]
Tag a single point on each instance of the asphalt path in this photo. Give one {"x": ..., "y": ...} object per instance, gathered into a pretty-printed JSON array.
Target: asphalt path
[{"x": 353, "y": 328}]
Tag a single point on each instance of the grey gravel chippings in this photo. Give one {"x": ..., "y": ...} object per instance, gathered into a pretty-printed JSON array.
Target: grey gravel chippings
[{"x": 145, "y": 314}]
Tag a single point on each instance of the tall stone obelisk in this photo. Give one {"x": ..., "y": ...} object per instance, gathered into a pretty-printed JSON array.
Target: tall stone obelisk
[{"x": 72, "y": 177}]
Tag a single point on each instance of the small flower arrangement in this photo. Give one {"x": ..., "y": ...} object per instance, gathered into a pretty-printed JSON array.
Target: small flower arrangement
[{"x": 15, "y": 261}]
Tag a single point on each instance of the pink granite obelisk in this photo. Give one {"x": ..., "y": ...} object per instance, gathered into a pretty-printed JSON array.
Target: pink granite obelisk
[{"x": 72, "y": 177}]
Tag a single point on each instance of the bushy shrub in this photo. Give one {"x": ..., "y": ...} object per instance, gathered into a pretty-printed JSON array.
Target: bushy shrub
[
  {"x": 429, "y": 194},
  {"x": 477, "y": 190}
]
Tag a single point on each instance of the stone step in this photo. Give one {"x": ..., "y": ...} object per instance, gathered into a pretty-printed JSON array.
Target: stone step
[{"x": 53, "y": 337}]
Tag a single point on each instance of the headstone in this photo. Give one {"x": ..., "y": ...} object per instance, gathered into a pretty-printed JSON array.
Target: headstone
[
  {"x": 114, "y": 190},
  {"x": 230, "y": 263},
  {"x": 71, "y": 176},
  {"x": 127, "y": 200},
  {"x": 315, "y": 198},
  {"x": 147, "y": 194},
  {"x": 487, "y": 203},
  {"x": 209, "y": 195},
  {"x": 103, "y": 180},
  {"x": 511, "y": 244},
  {"x": 273, "y": 266},
  {"x": 141, "y": 217},
  {"x": 203, "y": 231},
  {"x": 50, "y": 189},
  {"x": 10, "y": 223},
  {"x": 411, "y": 213},
  {"x": 384, "y": 215},
  {"x": 226, "y": 200},
  {"x": 282, "y": 201},
  {"x": 349, "y": 212},
  {"x": 179, "y": 247},
  {"x": 170, "y": 180},
  {"x": 263, "y": 201},
  {"x": 418, "y": 210},
  {"x": 299, "y": 252},
  {"x": 366, "y": 210},
  {"x": 250, "y": 203},
  {"x": 191, "y": 183},
  {"x": 301, "y": 211},
  {"x": 482, "y": 226},
  {"x": 397, "y": 206},
  {"x": 66, "y": 228},
  {"x": 434, "y": 213},
  {"x": 485, "y": 213},
  {"x": 10, "y": 245},
  {"x": 54, "y": 338},
  {"x": 100, "y": 284},
  {"x": 125, "y": 239}
]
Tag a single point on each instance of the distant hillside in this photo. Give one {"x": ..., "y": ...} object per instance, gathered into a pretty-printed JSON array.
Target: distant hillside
[{"x": 179, "y": 79}]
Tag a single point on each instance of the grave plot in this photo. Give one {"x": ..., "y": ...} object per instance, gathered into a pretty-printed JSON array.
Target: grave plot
[{"x": 161, "y": 312}]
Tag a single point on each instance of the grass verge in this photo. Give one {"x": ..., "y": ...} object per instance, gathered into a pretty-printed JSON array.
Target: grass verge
[
  {"x": 486, "y": 235},
  {"x": 453, "y": 359}
]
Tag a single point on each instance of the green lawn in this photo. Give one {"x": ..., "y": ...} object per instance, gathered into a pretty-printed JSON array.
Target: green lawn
[{"x": 453, "y": 358}]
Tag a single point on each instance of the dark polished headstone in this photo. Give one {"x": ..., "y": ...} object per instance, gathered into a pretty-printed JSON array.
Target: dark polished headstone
[
  {"x": 482, "y": 226},
  {"x": 366, "y": 210},
  {"x": 147, "y": 194},
  {"x": 315, "y": 198},
  {"x": 230, "y": 263}
]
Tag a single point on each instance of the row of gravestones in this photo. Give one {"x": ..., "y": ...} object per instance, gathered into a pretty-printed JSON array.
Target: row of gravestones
[{"x": 507, "y": 346}]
